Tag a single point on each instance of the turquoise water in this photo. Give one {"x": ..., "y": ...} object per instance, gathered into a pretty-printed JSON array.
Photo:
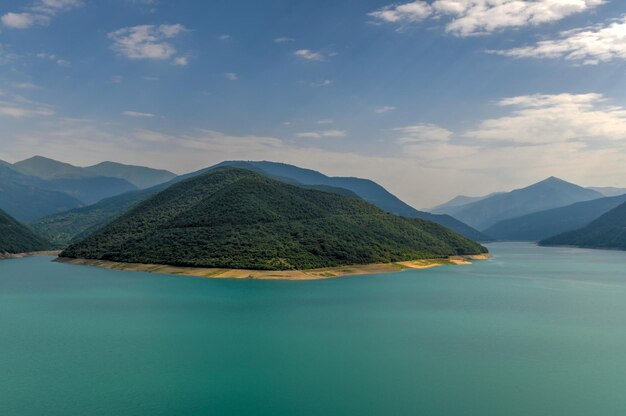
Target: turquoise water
[{"x": 535, "y": 331}]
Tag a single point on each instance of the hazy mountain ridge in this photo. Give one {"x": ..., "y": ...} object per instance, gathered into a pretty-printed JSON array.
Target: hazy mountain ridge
[
  {"x": 547, "y": 194},
  {"x": 606, "y": 232},
  {"x": 544, "y": 224},
  {"x": 237, "y": 218}
]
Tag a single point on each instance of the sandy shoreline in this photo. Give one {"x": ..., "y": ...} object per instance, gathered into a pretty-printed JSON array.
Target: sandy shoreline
[
  {"x": 316, "y": 274},
  {"x": 5, "y": 256}
]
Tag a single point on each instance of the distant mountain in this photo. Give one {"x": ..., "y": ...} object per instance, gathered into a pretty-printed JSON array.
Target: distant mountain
[
  {"x": 45, "y": 168},
  {"x": 547, "y": 194},
  {"x": 369, "y": 190},
  {"x": 90, "y": 190},
  {"x": 26, "y": 197},
  {"x": 18, "y": 238},
  {"x": 139, "y": 176},
  {"x": 237, "y": 218},
  {"x": 457, "y": 202},
  {"x": 609, "y": 190},
  {"x": 544, "y": 224},
  {"x": 606, "y": 232}
]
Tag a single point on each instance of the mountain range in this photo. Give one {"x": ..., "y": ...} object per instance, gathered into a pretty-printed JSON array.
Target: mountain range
[
  {"x": 67, "y": 226},
  {"x": 38, "y": 186},
  {"x": 606, "y": 232},
  {"x": 547, "y": 194},
  {"x": 237, "y": 218},
  {"x": 544, "y": 224}
]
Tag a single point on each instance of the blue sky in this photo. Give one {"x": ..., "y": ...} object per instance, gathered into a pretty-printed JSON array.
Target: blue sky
[{"x": 429, "y": 98}]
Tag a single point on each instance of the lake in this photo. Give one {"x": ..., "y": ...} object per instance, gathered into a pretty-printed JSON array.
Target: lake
[{"x": 534, "y": 331}]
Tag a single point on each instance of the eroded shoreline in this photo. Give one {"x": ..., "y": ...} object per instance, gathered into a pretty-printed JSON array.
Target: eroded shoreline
[
  {"x": 6, "y": 256},
  {"x": 315, "y": 274}
]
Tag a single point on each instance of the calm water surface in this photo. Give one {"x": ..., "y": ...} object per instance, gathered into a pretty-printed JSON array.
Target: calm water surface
[{"x": 534, "y": 331}]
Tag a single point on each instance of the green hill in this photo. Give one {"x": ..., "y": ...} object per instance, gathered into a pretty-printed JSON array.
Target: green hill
[
  {"x": 235, "y": 218},
  {"x": 544, "y": 224},
  {"x": 607, "y": 232},
  {"x": 67, "y": 227},
  {"x": 17, "y": 238}
]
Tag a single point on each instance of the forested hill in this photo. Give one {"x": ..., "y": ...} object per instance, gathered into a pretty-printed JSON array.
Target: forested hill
[
  {"x": 607, "y": 232},
  {"x": 235, "y": 218},
  {"x": 17, "y": 238}
]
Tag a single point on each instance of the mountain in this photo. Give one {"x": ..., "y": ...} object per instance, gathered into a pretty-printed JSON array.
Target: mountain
[
  {"x": 139, "y": 176},
  {"x": 45, "y": 168},
  {"x": 366, "y": 189},
  {"x": 66, "y": 227},
  {"x": 608, "y": 190},
  {"x": 18, "y": 238},
  {"x": 26, "y": 197},
  {"x": 62, "y": 228},
  {"x": 544, "y": 224},
  {"x": 456, "y": 203},
  {"x": 606, "y": 232},
  {"x": 547, "y": 194},
  {"x": 237, "y": 218}
]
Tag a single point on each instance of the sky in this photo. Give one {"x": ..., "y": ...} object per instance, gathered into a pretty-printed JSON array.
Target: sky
[{"x": 431, "y": 99}]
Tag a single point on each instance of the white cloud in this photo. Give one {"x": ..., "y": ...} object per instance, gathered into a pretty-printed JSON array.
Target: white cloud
[
  {"x": 138, "y": 114},
  {"x": 384, "y": 109},
  {"x": 181, "y": 61},
  {"x": 309, "y": 55},
  {"x": 544, "y": 119},
  {"x": 325, "y": 121},
  {"x": 322, "y": 134},
  {"x": 474, "y": 17},
  {"x": 231, "y": 76},
  {"x": 322, "y": 83},
  {"x": 420, "y": 133},
  {"x": 225, "y": 37},
  {"x": 38, "y": 13},
  {"x": 148, "y": 42},
  {"x": 20, "y": 107},
  {"x": 25, "y": 85},
  {"x": 53, "y": 58},
  {"x": 283, "y": 39},
  {"x": 590, "y": 45}
]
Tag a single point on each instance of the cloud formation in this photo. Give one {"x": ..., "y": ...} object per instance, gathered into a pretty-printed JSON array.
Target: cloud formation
[
  {"x": 590, "y": 45},
  {"x": 319, "y": 134},
  {"x": 421, "y": 133},
  {"x": 138, "y": 114},
  {"x": 544, "y": 119},
  {"x": 477, "y": 17},
  {"x": 38, "y": 13},
  {"x": 309, "y": 55},
  {"x": 148, "y": 42}
]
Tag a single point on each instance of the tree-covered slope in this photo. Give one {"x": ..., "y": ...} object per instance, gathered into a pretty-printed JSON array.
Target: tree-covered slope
[
  {"x": 606, "y": 232},
  {"x": 366, "y": 189},
  {"x": 18, "y": 238},
  {"x": 544, "y": 224},
  {"x": 237, "y": 218}
]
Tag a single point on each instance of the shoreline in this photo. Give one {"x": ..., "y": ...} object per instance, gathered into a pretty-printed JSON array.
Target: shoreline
[
  {"x": 294, "y": 275},
  {"x": 9, "y": 256}
]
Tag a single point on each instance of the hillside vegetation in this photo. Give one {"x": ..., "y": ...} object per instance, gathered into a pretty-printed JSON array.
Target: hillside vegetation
[
  {"x": 17, "y": 238},
  {"x": 607, "y": 232},
  {"x": 235, "y": 218}
]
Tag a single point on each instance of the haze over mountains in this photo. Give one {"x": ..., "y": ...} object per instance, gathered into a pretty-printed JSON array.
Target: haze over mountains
[
  {"x": 236, "y": 218},
  {"x": 549, "y": 193},
  {"x": 606, "y": 232},
  {"x": 38, "y": 186}
]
